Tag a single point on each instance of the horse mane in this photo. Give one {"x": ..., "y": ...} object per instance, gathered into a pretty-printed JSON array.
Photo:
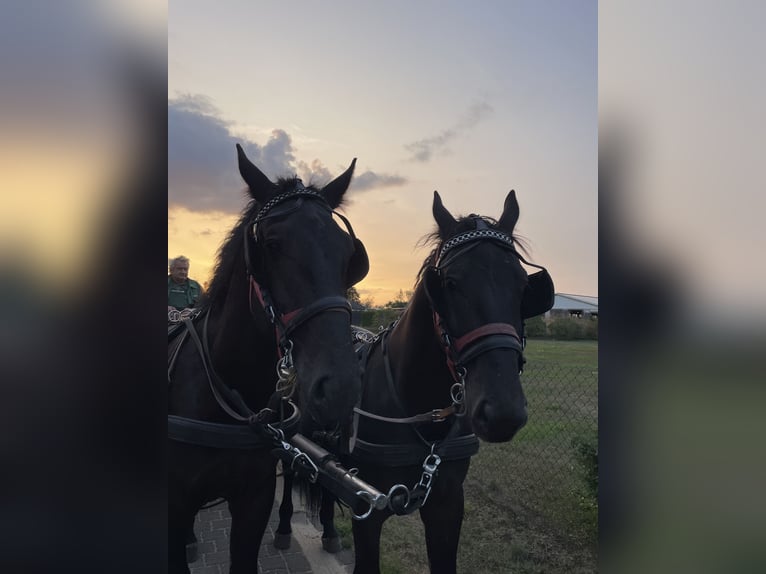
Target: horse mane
[
  {"x": 464, "y": 223},
  {"x": 229, "y": 255}
]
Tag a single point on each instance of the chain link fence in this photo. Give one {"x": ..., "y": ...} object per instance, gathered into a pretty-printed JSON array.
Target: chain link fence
[
  {"x": 549, "y": 472},
  {"x": 530, "y": 504}
]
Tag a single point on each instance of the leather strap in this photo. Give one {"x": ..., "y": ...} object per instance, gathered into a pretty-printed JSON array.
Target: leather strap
[
  {"x": 295, "y": 319},
  {"x": 410, "y": 454},
  {"x": 219, "y": 435},
  {"x": 176, "y": 350},
  {"x": 434, "y": 416},
  {"x": 216, "y": 385},
  {"x": 484, "y": 331}
]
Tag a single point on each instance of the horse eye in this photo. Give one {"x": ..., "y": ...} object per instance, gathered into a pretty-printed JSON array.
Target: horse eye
[{"x": 450, "y": 284}]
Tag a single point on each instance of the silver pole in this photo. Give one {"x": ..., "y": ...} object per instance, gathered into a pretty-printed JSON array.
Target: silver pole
[{"x": 333, "y": 476}]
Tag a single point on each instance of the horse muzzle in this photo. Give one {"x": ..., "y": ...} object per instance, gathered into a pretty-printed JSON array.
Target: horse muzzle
[
  {"x": 495, "y": 400},
  {"x": 493, "y": 421}
]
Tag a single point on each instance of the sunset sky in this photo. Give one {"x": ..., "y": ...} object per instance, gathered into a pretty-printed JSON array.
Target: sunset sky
[{"x": 470, "y": 99}]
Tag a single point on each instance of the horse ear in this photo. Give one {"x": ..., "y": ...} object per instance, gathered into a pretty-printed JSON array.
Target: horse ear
[
  {"x": 333, "y": 191},
  {"x": 443, "y": 218},
  {"x": 510, "y": 215},
  {"x": 261, "y": 187}
]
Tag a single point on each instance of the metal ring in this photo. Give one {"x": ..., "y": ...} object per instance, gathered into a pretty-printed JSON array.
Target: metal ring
[
  {"x": 432, "y": 466},
  {"x": 391, "y": 492},
  {"x": 278, "y": 433},
  {"x": 366, "y": 496},
  {"x": 457, "y": 393},
  {"x": 286, "y": 362},
  {"x": 303, "y": 456}
]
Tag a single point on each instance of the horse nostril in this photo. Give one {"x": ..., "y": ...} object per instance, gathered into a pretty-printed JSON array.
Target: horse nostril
[
  {"x": 484, "y": 413},
  {"x": 320, "y": 388},
  {"x": 496, "y": 423}
]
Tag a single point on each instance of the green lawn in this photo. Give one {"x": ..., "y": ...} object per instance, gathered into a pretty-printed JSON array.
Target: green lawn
[
  {"x": 562, "y": 353},
  {"x": 528, "y": 509}
]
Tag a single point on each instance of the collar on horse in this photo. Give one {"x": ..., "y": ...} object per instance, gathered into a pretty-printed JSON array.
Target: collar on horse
[
  {"x": 261, "y": 429},
  {"x": 400, "y": 499},
  {"x": 454, "y": 446}
]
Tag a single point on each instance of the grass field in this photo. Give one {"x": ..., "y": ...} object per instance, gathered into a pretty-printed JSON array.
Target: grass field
[{"x": 528, "y": 507}]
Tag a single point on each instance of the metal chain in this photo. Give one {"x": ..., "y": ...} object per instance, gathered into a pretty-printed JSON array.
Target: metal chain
[
  {"x": 299, "y": 460},
  {"x": 362, "y": 336},
  {"x": 286, "y": 373},
  {"x": 299, "y": 190},
  {"x": 422, "y": 488},
  {"x": 457, "y": 390},
  {"x": 176, "y": 316},
  {"x": 430, "y": 466},
  {"x": 473, "y": 235}
]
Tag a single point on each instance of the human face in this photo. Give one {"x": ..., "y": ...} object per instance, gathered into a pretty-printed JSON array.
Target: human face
[{"x": 180, "y": 272}]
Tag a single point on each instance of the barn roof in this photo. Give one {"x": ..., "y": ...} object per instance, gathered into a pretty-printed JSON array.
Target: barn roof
[{"x": 566, "y": 301}]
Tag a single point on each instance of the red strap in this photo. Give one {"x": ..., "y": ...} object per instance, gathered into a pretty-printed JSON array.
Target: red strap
[
  {"x": 288, "y": 317},
  {"x": 254, "y": 286},
  {"x": 257, "y": 288},
  {"x": 470, "y": 337},
  {"x": 447, "y": 351},
  {"x": 483, "y": 331}
]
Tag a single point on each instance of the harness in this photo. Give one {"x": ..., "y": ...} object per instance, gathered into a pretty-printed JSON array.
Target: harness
[
  {"x": 456, "y": 444},
  {"x": 256, "y": 430},
  {"x": 452, "y": 447},
  {"x": 420, "y": 451}
]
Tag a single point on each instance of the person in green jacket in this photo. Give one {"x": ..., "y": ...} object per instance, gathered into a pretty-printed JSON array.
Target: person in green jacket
[{"x": 183, "y": 292}]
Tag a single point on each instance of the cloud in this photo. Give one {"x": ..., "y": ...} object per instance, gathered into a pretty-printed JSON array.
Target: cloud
[
  {"x": 423, "y": 150},
  {"x": 315, "y": 173},
  {"x": 371, "y": 180},
  {"x": 319, "y": 175},
  {"x": 202, "y": 158}
]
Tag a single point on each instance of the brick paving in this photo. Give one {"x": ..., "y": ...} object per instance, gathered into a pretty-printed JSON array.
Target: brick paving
[{"x": 213, "y": 526}]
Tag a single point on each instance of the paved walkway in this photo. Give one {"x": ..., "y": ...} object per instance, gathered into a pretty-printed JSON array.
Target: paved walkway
[{"x": 305, "y": 555}]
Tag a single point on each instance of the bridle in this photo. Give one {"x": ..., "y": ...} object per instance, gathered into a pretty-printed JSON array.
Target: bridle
[
  {"x": 487, "y": 337},
  {"x": 285, "y": 324}
]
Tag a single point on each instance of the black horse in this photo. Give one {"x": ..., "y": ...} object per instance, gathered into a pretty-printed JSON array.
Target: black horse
[
  {"x": 446, "y": 372},
  {"x": 275, "y": 322}
]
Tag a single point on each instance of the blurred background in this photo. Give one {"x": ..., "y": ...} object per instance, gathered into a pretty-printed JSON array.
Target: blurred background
[
  {"x": 681, "y": 273},
  {"x": 83, "y": 111},
  {"x": 83, "y": 173}
]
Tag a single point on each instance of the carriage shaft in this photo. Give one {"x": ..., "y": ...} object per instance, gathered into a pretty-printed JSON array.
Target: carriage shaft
[{"x": 336, "y": 478}]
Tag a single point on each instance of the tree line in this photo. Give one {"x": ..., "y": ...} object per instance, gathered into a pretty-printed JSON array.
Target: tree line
[{"x": 373, "y": 317}]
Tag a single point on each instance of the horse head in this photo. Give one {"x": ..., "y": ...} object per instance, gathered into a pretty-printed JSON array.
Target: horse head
[
  {"x": 301, "y": 263},
  {"x": 481, "y": 294}
]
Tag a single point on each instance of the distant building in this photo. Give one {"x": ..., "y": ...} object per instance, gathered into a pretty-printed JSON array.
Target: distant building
[{"x": 567, "y": 305}]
